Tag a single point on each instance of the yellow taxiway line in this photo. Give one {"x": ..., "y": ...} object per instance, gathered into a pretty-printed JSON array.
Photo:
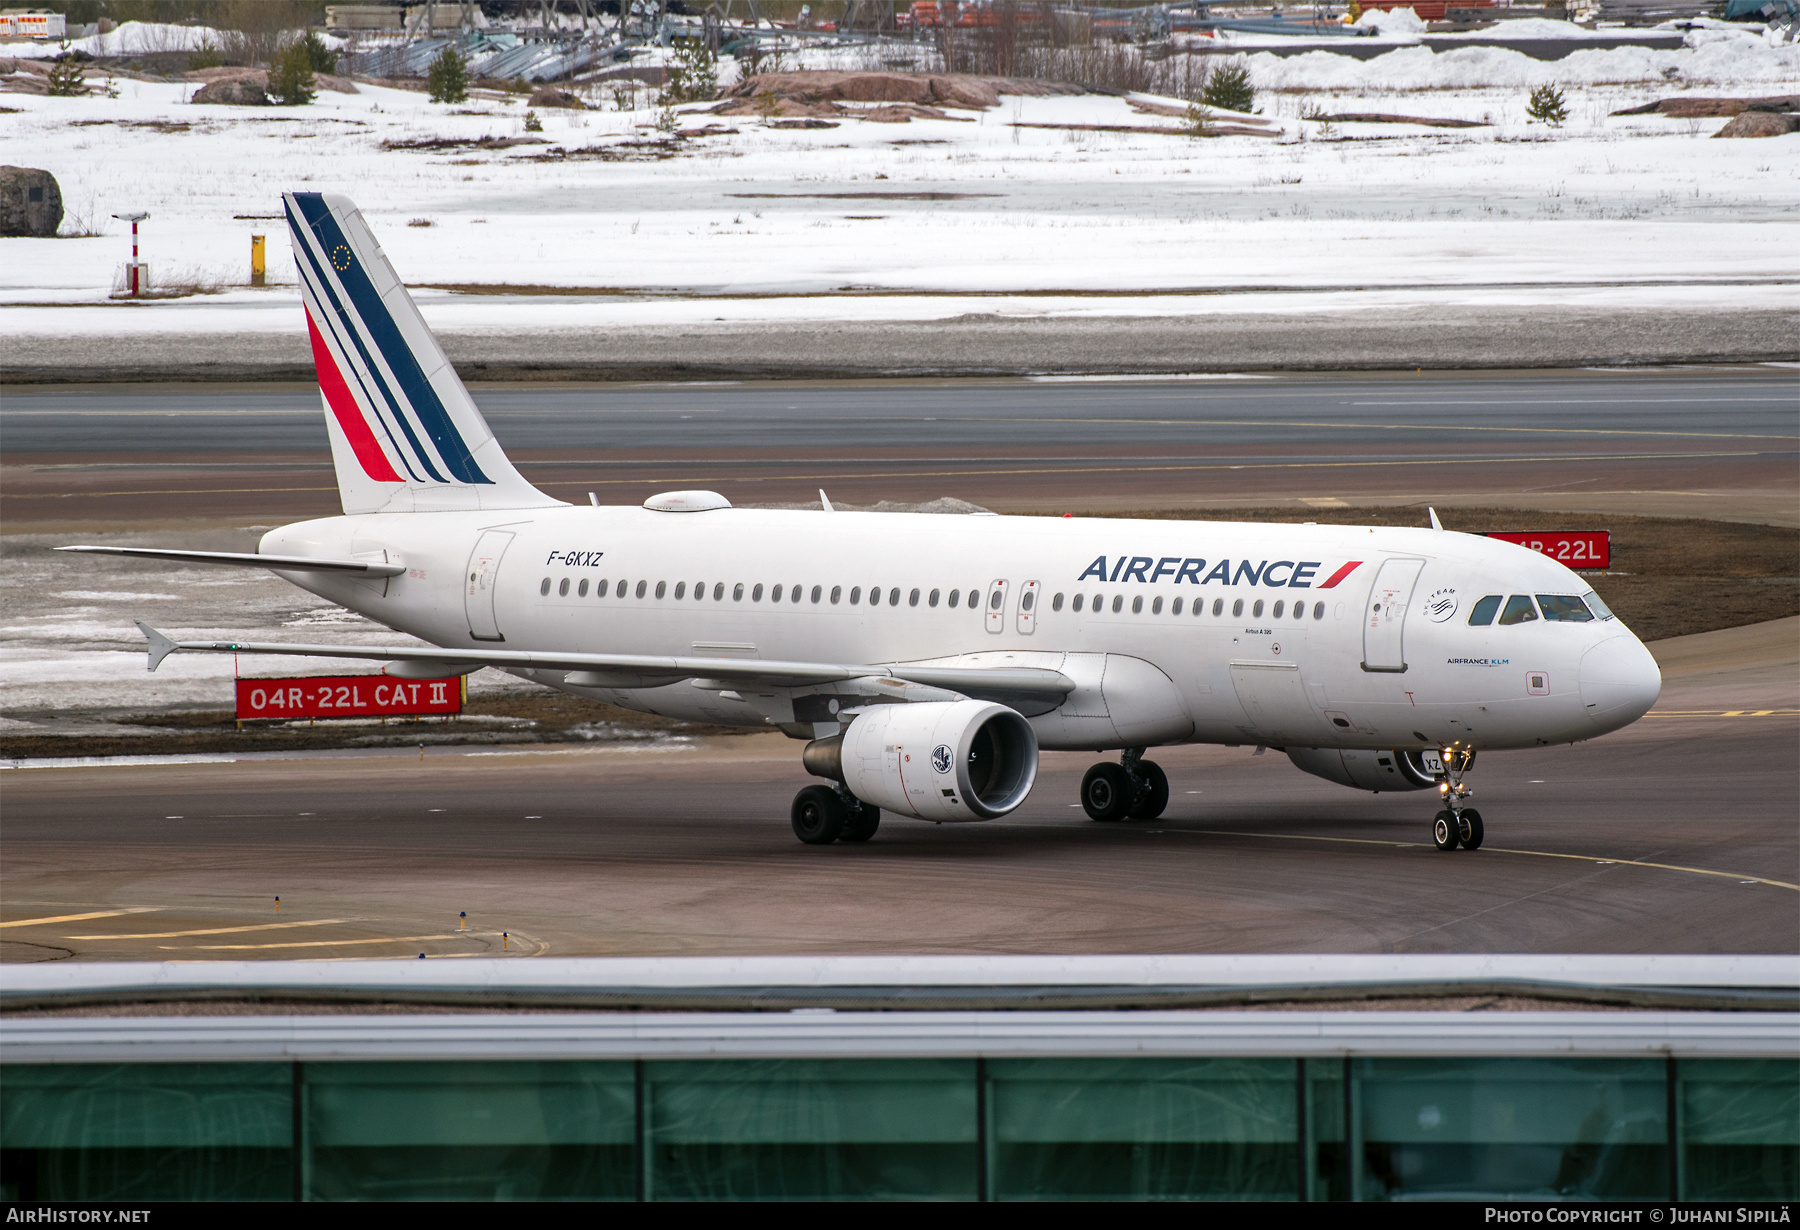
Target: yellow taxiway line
[
  {"x": 169, "y": 935},
  {"x": 1583, "y": 858},
  {"x": 62, "y": 918},
  {"x": 391, "y": 939}
]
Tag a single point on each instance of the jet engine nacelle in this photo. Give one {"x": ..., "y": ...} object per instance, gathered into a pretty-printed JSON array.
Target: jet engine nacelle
[
  {"x": 1364, "y": 770},
  {"x": 939, "y": 760}
]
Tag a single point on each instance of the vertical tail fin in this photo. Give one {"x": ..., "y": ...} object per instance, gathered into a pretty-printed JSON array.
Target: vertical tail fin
[{"x": 405, "y": 435}]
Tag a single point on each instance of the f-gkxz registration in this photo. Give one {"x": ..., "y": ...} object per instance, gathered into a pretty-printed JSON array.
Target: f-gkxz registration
[{"x": 926, "y": 661}]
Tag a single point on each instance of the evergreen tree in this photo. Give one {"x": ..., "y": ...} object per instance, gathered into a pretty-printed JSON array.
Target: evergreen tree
[
  {"x": 1228, "y": 88},
  {"x": 448, "y": 77},
  {"x": 67, "y": 78},
  {"x": 323, "y": 58},
  {"x": 291, "y": 79},
  {"x": 692, "y": 74},
  {"x": 1546, "y": 105}
]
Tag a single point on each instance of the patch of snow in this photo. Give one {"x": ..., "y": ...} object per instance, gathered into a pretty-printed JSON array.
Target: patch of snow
[
  {"x": 129, "y": 38},
  {"x": 1391, "y": 21}
]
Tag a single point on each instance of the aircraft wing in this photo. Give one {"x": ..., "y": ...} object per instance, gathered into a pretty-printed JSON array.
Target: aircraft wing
[
  {"x": 637, "y": 670},
  {"x": 277, "y": 563}
]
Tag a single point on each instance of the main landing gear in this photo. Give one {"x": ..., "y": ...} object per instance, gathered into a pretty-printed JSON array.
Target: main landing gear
[
  {"x": 1456, "y": 825},
  {"x": 824, "y": 814},
  {"x": 1134, "y": 788}
]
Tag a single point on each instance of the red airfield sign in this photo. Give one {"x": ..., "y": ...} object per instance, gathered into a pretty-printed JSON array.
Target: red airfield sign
[
  {"x": 328, "y": 696},
  {"x": 1590, "y": 549}
]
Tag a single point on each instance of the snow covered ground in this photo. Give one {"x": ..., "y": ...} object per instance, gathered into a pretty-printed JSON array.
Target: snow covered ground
[{"x": 1040, "y": 221}]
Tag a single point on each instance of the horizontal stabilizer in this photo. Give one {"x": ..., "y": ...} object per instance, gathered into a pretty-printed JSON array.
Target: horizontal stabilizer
[
  {"x": 977, "y": 682},
  {"x": 242, "y": 559}
]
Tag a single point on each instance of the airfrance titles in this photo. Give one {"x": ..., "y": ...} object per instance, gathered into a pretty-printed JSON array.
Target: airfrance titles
[{"x": 1281, "y": 574}]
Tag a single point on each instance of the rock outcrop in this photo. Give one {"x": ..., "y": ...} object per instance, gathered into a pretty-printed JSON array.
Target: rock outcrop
[
  {"x": 550, "y": 96},
  {"x": 1760, "y": 124},
  {"x": 30, "y": 202}
]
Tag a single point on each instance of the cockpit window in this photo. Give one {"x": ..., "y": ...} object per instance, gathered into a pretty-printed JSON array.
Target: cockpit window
[
  {"x": 1518, "y": 610},
  {"x": 1482, "y": 613},
  {"x": 1599, "y": 608},
  {"x": 1561, "y": 608}
]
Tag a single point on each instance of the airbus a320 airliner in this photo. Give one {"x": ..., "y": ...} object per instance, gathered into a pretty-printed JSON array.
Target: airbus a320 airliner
[{"x": 925, "y": 660}]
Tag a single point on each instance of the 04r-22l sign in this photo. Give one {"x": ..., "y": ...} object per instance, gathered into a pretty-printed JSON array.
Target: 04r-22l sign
[
  {"x": 328, "y": 696},
  {"x": 1578, "y": 549}
]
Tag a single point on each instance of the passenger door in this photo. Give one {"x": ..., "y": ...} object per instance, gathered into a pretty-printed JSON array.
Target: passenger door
[
  {"x": 1384, "y": 617},
  {"x": 478, "y": 588}
]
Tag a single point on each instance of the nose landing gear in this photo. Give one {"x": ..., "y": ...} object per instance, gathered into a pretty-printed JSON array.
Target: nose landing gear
[
  {"x": 1456, "y": 825},
  {"x": 1134, "y": 788}
]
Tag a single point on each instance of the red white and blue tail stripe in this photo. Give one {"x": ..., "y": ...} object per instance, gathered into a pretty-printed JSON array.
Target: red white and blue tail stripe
[{"x": 405, "y": 435}]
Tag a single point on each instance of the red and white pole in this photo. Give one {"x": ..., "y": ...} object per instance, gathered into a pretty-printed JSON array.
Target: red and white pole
[{"x": 134, "y": 259}]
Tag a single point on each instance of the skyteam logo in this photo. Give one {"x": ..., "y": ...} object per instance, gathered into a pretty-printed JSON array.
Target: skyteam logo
[
  {"x": 1441, "y": 605},
  {"x": 942, "y": 758}
]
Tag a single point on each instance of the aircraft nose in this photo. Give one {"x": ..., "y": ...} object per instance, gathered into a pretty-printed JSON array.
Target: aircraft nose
[{"x": 1619, "y": 682}]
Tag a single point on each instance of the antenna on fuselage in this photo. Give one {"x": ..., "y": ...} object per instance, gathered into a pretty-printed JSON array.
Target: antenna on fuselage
[
  {"x": 1435, "y": 523},
  {"x": 825, "y": 503}
]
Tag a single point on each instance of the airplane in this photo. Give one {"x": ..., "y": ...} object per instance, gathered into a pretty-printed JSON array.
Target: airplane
[{"x": 925, "y": 660}]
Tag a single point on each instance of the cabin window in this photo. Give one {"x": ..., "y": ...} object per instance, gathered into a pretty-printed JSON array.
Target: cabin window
[
  {"x": 855, "y": 594},
  {"x": 775, "y": 594},
  {"x": 955, "y": 596},
  {"x": 912, "y": 599},
  {"x": 1280, "y": 606},
  {"x": 718, "y": 591},
  {"x": 1299, "y": 610},
  {"x": 757, "y": 593},
  {"x": 1078, "y": 601},
  {"x": 544, "y": 589},
  {"x": 996, "y": 598},
  {"x": 620, "y": 591},
  {"x": 1518, "y": 610},
  {"x": 837, "y": 591},
  {"x": 1056, "y": 603},
  {"x": 874, "y": 595},
  {"x": 662, "y": 587},
  {"x": 1256, "y": 611},
  {"x": 1219, "y": 607},
  {"x": 1137, "y": 605},
  {"x": 815, "y": 594},
  {"x": 933, "y": 600},
  {"x": 699, "y": 591},
  {"x": 1237, "y": 608},
  {"x": 680, "y": 590},
  {"x": 894, "y": 597},
  {"x": 581, "y": 589},
  {"x": 642, "y": 586},
  {"x": 1482, "y": 613},
  {"x": 1119, "y": 603},
  {"x": 602, "y": 589},
  {"x": 1027, "y": 600},
  {"x": 1598, "y": 607},
  {"x": 1156, "y": 606},
  {"x": 562, "y": 590},
  {"x": 1318, "y": 610},
  {"x": 737, "y": 592},
  {"x": 1175, "y": 606},
  {"x": 1563, "y": 609}
]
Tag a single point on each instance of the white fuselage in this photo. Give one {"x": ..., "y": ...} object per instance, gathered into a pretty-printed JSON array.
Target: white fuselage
[{"x": 1295, "y": 664}]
